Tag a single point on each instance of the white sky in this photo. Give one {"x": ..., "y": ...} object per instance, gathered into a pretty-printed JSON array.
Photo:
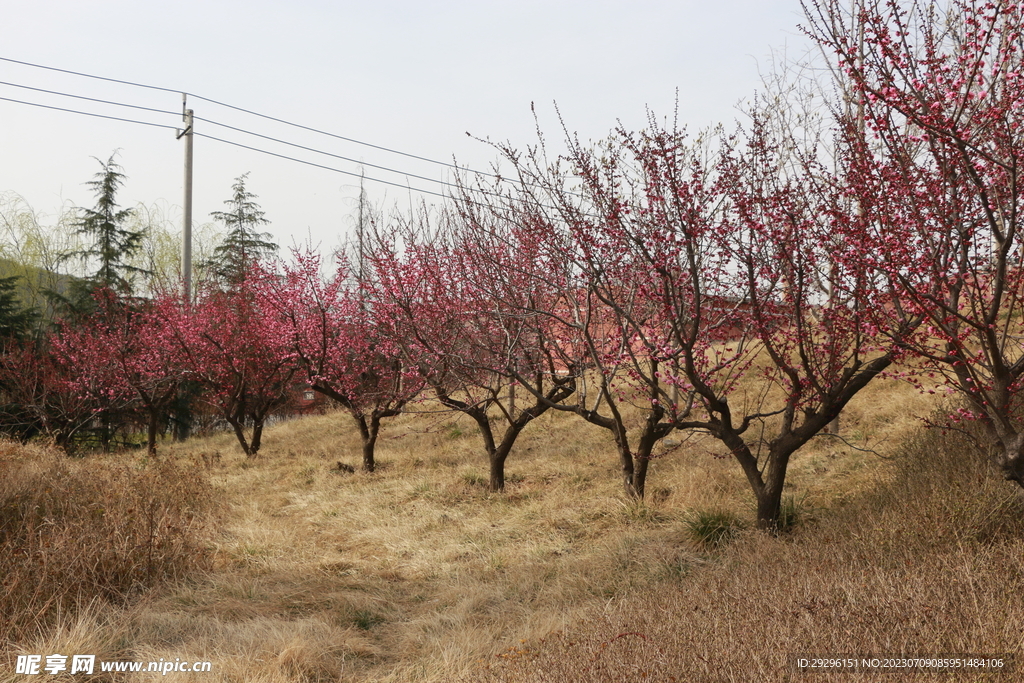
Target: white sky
[{"x": 412, "y": 76}]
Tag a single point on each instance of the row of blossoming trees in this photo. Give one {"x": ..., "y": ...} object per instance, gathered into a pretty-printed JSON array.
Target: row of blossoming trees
[{"x": 744, "y": 287}]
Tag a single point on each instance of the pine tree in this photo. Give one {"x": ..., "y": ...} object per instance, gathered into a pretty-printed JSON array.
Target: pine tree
[
  {"x": 113, "y": 244},
  {"x": 244, "y": 244},
  {"x": 15, "y": 321}
]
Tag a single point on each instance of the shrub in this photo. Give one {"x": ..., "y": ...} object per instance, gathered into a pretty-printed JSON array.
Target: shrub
[{"x": 72, "y": 532}]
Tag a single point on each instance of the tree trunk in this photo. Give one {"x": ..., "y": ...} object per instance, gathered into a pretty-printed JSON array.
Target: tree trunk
[
  {"x": 769, "y": 508},
  {"x": 182, "y": 411},
  {"x": 769, "y": 497},
  {"x": 640, "y": 475},
  {"x": 628, "y": 472},
  {"x": 615, "y": 425},
  {"x": 368, "y": 431},
  {"x": 105, "y": 432},
  {"x": 497, "y": 471},
  {"x": 369, "y": 446},
  {"x": 257, "y": 435},
  {"x": 654, "y": 431},
  {"x": 497, "y": 455},
  {"x": 240, "y": 435},
  {"x": 154, "y": 424},
  {"x": 626, "y": 462},
  {"x": 1011, "y": 459}
]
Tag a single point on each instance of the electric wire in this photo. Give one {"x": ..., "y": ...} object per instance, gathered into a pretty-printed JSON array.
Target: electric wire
[
  {"x": 91, "y": 99},
  {"x": 234, "y": 128},
  {"x": 465, "y": 198},
  {"x": 254, "y": 149},
  {"x": 266, "y": 137},
  {"x": 329, "y": 154},
  {"x": 341, "y": 137},
  {"x": 316, "y": 165},
  {"x": 254, "y": 113},
  {"x": 224, "y": 125},
  {"x": 79, "y": 73},
  {"x": 465, "y": 169},
  {"x": 86, "y": 113}
]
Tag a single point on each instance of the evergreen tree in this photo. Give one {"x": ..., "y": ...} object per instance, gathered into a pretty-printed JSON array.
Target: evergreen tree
[
  {"x": 15, "y": 321},
  {"x": 244, "y": 245},
  {"x": 112, "y": 243}
]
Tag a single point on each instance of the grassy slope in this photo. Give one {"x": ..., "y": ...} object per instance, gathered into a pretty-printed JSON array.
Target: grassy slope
[{"x": 417, "y": 573}]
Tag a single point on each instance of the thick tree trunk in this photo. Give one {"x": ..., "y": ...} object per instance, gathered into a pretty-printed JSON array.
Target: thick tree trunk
[
  {"x": 369, "y": 448},
  {"x": 1010, "y": 460},
  {"x": 654, "y": 431},
  {"x": 497, "y": 471},
  {"x": 182, "y": 411},
  {"x": 769, "y": 497},
  {"x": 769, "y": 509},
  {"x": 497, "y": 455},
  {"x": 368, "y": 431},
  {"x": 640, "y": 475}
]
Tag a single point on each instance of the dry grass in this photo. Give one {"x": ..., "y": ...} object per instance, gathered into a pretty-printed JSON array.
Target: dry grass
[
  {"x": 76, "y": 532},
  {"x": 417, "y": 573},
  {"x": 929, "y": 563}
]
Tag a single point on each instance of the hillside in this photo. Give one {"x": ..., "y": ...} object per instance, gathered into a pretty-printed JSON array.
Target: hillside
[
  {"x": 417, "y": 573},
  {"x": 33, "y": 283}
]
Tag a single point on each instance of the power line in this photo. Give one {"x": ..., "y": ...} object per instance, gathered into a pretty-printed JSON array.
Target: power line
[
  {"x": 86, "y": 113},
  {"x": 341, "y": 137},
  {"x": 224, "y": 125},
  {"x": 326, "y": 168},
  {"x": 253, "y": 113},
  {"x": 359, "y": 175},
  {"x": 254, "y": 149},
  {"x": 329, "y": 154},
  {"x": 247, "y": 132},
  {"x": 269, "y": 153},
  {"x": 78, "y": 73},
  {"x": 91, "y": 99}
]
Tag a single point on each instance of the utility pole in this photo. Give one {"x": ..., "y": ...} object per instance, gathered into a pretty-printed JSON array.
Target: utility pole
[
  {"x": 186, "y": 227},
  {"x": 183, "y": 409}
]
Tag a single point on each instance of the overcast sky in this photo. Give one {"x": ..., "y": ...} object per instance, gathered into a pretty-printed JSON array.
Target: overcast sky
[{"x": 410, "y": 76}]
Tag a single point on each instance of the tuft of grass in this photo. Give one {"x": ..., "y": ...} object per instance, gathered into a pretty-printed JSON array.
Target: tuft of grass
[
  {"x": 712, "y": 528},
  {"x": 366, "y": 619},
  {"x": 474, "y": 479},
  {"x": 642, "y": 512},
  {"x": 792, "y": 512}
]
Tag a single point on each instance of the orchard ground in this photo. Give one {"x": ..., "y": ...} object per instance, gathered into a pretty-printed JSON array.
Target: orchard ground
[{"x": 418, "y": 573}]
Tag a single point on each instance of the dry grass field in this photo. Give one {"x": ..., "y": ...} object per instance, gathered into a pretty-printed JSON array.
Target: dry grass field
[{"x": 303, "y": 572}]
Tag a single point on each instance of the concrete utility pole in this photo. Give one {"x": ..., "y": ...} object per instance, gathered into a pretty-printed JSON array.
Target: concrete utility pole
[
  {"x": 183, "y": 413},
  {"x": 186, "y": 228}
]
